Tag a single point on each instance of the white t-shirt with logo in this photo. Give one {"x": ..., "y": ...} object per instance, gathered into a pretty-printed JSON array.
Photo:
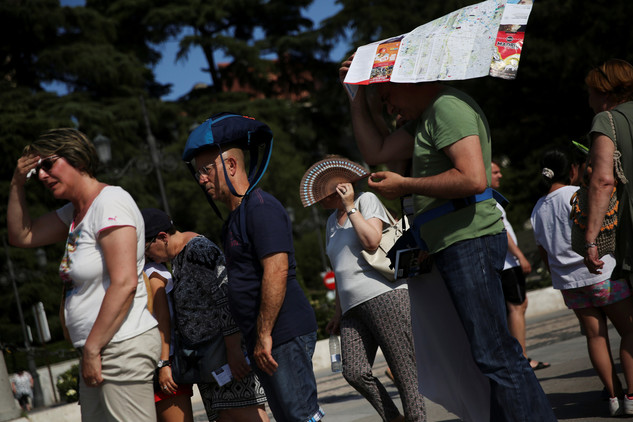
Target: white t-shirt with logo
[
  {"x": 84, "y": 269},
  {"x": 552, "y": 230}
]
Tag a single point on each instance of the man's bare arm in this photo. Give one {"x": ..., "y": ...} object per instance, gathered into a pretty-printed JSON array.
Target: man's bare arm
[
  {"x": 274, "y": 283},
  {"x": 466, "y": 178},
  {"x": 376, "y": 144}
]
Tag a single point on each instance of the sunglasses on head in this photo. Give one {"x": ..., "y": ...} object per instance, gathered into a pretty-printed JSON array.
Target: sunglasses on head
[{"x": 604, "y": 74}]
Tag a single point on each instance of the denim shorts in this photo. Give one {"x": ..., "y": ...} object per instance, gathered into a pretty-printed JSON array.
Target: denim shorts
[
  {"x": 597, "y": 295},
  {"x": 292, "y": 389}
]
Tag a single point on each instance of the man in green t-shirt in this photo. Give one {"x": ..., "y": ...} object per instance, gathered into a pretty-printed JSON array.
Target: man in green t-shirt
[{"x": 448, "y": 140}]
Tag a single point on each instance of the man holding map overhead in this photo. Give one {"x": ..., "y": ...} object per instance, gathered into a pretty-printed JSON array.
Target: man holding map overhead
[{"x": 448, "y": 140}]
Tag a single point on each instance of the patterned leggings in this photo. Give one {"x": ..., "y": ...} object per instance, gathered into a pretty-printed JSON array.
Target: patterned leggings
[{"x": 383, "y": 321}]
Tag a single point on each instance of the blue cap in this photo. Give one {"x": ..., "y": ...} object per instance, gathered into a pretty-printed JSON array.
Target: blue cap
[
  {"x": 232, "y": 130},
  {"x": 226, "y": 128}
]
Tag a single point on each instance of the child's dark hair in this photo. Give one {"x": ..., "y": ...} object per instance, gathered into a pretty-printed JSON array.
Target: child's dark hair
[
  {"x": 555, "y": 166},
  {"x": 577, "y": 156}
]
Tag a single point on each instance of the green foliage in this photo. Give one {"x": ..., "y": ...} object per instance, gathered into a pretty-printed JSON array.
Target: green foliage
[
  {"x": 324, "y": 311},
  {"x": 16, "y": 357},
  {"x": 231, "y": 27},
  {"x": 27, "y": 29},
  {"x": 68, "y": 385}
]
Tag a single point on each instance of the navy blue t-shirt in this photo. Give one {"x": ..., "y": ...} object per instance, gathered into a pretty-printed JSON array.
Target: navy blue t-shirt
[{"x": 269, "y": 231}]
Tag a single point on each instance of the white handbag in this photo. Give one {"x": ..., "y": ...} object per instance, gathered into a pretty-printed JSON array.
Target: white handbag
[{"x": 378, "y": 258}]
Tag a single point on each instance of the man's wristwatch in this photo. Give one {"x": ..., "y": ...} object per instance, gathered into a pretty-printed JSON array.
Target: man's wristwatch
[
  {"x": 590, "y": 245},
  {"x": 163, "y": 363},
  {"x": 352, "y": 211}
]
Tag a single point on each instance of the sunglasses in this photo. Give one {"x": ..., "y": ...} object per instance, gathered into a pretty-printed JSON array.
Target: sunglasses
[{"x": 45, "y": 164}]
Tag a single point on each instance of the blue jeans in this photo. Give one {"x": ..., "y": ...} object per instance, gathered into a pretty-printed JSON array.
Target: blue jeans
[
  {"x": 292, "y": 390},
  {"x": 471, "y": 270}
]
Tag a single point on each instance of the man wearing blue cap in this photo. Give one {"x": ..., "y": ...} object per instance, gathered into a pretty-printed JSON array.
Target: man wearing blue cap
[{"x": 266, "y": 300}]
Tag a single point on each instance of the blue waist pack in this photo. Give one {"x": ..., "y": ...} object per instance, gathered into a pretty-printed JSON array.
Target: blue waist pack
[{"x": 411, "y": 238}]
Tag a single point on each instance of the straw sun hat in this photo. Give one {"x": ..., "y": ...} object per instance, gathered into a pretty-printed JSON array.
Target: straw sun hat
[{"x": 322, "y": 178}]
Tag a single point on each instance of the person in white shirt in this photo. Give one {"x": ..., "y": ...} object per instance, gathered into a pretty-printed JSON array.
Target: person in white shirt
[
  {"x": 363, "y": 295},
  {"x": 105, "y": 311},
  {"x": 22, "y": 386}
]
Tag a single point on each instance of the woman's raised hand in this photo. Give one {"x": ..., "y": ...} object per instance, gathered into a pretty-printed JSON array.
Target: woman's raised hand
[
  {"x": 25, "y": 164},
  {"x": 346, "y": 192}
]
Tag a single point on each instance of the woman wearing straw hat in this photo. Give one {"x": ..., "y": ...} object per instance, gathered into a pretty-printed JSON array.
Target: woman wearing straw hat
[{"x": 363, "y": 296}]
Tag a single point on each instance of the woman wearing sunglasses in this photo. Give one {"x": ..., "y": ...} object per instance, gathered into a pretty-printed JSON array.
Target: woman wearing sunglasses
[{"x": 105, "y": 300}]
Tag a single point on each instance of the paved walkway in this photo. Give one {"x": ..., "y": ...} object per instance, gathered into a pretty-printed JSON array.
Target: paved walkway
[{"x": 570, "y": 383}]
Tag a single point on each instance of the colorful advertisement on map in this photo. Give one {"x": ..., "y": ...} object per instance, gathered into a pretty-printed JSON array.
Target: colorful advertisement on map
[
  {"x": 508, "y": 47},
  {"x": 384, "y": 60},
  {"x": 509, "y": 42}
]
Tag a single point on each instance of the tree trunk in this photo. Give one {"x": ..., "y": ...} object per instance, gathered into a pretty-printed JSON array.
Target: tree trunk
[{"x": 208, "y": 54}]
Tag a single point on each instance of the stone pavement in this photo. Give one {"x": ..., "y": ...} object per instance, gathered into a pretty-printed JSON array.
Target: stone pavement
[{"x": 570, "y": 383}]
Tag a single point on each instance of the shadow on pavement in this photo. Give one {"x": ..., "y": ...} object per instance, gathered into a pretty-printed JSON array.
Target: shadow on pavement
[
  {"x": 589, "y": 372},
  {"x": 583, "y": 405}
]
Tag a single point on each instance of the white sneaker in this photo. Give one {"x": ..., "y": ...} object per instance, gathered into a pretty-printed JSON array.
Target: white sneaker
[
  {"x": 616, "y": 408},
  {"x": 628, "y": 405}
]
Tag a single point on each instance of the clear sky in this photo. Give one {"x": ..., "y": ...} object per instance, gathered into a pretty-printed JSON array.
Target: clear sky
[{"x": 186, "y": 73}]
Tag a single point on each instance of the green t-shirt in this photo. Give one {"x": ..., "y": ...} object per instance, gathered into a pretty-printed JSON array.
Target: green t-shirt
[
  {"x": 452, "y": 116},
  {"x": 623, "y": 122}
]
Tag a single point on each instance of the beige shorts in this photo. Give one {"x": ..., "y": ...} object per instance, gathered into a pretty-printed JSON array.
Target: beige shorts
[{"x": 127, "y": 392}]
